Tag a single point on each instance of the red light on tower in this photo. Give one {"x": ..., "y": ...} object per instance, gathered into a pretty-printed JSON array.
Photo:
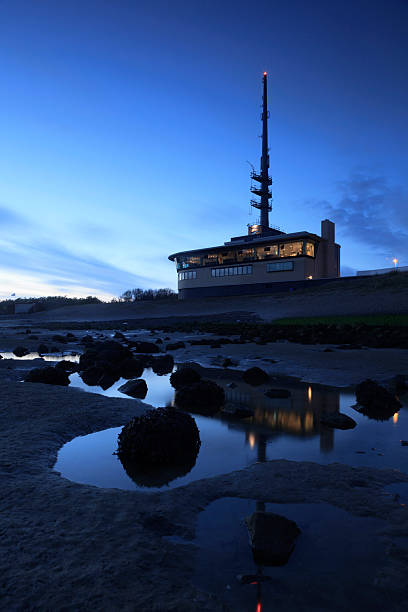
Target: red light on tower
[{"x": 264, "y": 73}]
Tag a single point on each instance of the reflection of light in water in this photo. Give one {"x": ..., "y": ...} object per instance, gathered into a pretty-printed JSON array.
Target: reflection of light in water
[
  {"x": 309, "y": 393},
  {"x": 282, "y": 420},
  {"x": 251, "y": 439},
  {"x": 395, "y": 418},
  {"x": 48, "y": 357}
]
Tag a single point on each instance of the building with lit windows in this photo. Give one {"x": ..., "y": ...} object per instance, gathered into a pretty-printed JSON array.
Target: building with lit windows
[{"x": 264, "y": 260}]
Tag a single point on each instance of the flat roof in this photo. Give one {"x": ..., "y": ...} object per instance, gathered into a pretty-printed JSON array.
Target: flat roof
[{"x": 255, "y": 241}]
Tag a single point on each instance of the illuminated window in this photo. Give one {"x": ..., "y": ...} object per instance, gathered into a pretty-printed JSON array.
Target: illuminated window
[
  {"x": 280, "y": 266},
  {"x": 310, "y": 249},
  {"x": 290, "y": 249},
  {"x": 187, "y": 275},
  {"x": 233, "y": 271}
]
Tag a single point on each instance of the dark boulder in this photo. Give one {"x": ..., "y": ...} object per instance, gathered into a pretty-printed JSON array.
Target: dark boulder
[
  {"x": 163, "y": 364},
  {"x": 184, "y": 376},
  {"x": 71, "y": 337},
  {"x": 20, "y": 351},
  {"x": 337, "y": 421},
  {"x": 134, "y": 388},
  {"x": 67, "y": 366},
  {"x": 145, "y": 347},
  {"x": 375, "y": 401},
  {"x": 174, "y": 346},
  {"x": 59, "y": 338},
  {"x": 119, "y": 336},
  {"x": 204, "y": 397},
  {"x": 131, "y": 367},
  {"x": 48, "y": 375},
  {"x": 272, "y": 538},
  {"x": 109, "y": 355},
  {"x": 159, "y": 341},
  {"x": 278, "y": 393},
  {"x": 255, "y": 376},
  {"x": 42, "y": 348},
  {"x": 160, "y": 437},
  {"x": 87, "y": 340}
]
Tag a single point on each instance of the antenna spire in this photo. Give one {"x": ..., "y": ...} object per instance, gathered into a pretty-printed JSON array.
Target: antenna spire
[{"x": 263, "y": 177}]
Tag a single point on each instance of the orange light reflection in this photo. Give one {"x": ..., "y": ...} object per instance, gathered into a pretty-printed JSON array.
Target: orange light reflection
[{"x": 395, "y": 418}]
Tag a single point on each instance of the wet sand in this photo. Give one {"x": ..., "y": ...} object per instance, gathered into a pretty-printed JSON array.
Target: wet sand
[{"x": 76, "y": 547}]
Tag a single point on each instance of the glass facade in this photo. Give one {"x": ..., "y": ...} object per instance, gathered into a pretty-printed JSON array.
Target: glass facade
[
  {"x": 241, "y": 254},
  {"x": 231, "y": 271},
  {"x": 187, "y": 275},
  {"x": 280, "y": 266}
]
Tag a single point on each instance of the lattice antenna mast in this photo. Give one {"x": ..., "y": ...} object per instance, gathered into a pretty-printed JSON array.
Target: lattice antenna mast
[{"x": 263, "y": 177}]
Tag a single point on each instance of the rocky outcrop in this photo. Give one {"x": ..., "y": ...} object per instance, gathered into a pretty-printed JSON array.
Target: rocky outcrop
[
  {"x": 20, "y": 351},
  {"x": 47, "y": 375},
  {"x": 337, "y": 421},
  {"x": 103, "y": 363},
  {"x": 184, "y": 376},
  {"x": 160, "y": 437},
  {"x": 272, "y": 537},
  {"x": 134, "y": 388},
  {"x": 255, "y": 376},
  {"x": 204, "y": 397},
  {"x": 376, "y": 401}
]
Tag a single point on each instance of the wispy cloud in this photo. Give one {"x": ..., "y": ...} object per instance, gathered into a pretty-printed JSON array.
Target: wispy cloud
[{"x": 373, "y": 212}]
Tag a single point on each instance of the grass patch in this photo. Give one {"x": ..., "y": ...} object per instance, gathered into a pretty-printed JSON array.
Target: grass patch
[{"x": 393, "y": 320}]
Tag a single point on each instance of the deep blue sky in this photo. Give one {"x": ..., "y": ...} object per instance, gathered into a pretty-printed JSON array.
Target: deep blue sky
[{"x": 126, "y": 125}]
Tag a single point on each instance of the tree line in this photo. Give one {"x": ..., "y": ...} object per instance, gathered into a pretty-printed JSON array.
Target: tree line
[
  {"x": 138, "y": 294},
  {"x": 46, "y": 303}
]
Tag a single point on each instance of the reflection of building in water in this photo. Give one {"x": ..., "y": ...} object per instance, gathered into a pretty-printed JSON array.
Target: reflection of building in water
[{"x": 298, "y": 415}]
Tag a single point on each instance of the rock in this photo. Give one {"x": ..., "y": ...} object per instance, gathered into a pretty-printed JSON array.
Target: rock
[
  {"x": 159, "y": 341},
  {"x": 255, "y": 376},
  {"x": 47, "y": 375},
  {"x": 20, "y": 351},
  {"x": 337, "y": 421},
  {"x": 28, "y": 331},
  {"x": 376, "y": 401},
  {"x": 109, "y": 356},
  {"x": 145, "y": 347},
  {"x": 59, "y": 338},
  {"x": 42, "y": 348},
  {"x": 119, "y": 336},
  {"x": 227, "y": 363},
  {"x": 163, "y": 364},
  {"x": 399, "y": 384},
  {"x": 204, "y": 397},
  {"x": 131, "y": 367},
  {"x": 272, "y": 538},
  {"x": 67, "y": 366},
  {"x": 1, "y": 356},
  {"x": 174, "y": 346},
  {"x": 404, "y": 442},
  {"x": 278, "y": 393},
  {"x": 87, "y": 339},
  {"x": 184, "y": 376},
  {"x": 70, "y": 336},
  {"x": 163, "y": 436},
  {"x": 134, "y": 388}
]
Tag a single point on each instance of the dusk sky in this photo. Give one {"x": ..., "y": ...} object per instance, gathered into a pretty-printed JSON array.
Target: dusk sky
[{"x": 126, "y": 127}]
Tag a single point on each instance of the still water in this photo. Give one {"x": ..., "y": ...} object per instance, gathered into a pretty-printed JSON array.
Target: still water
[{"x": 280, "y": 429}]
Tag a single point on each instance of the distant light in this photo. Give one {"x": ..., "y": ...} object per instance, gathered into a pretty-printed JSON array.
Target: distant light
[
  {"x": 395, "y": 417},
  {"x": 309, "y": 277},
  {"x": 309, "y": 393},
  {"x": 251, "y": 440},
  {"x": 395, "y": 261},
  {"x": 264, "y": 73}
]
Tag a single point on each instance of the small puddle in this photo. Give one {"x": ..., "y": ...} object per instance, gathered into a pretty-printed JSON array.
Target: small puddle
[{"x": 317, "y": 576}]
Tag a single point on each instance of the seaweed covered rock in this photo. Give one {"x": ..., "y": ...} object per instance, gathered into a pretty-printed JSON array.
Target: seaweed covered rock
[
  {"x": 132, "y": 367},
  {"x": 134, "y": 388},
  {"x": 160, "y": 437},
  {"x": 376, "y": 401},
  {"x": 20, "y": 351},
  {"x": 107, "y": 361},
  {"x": 184, "y": 376},
  {"x": 272, "y": 537},
  {"x": 255, "y": 376},
  {"x": 163, "y": 364},
  {"x": 42, "y": 348},
  {"x": 337, "y": 421},
  {"x": 67, "y": 366},
  {"x": 48, "y": 375},
  {"x": 145, "y": 347},
  {"x": 204, "y": 397}
]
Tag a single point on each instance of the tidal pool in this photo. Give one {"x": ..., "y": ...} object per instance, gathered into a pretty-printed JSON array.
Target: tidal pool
[
  {"x": 286, "y": 428},
  {"x": 317, "y": 575}
]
